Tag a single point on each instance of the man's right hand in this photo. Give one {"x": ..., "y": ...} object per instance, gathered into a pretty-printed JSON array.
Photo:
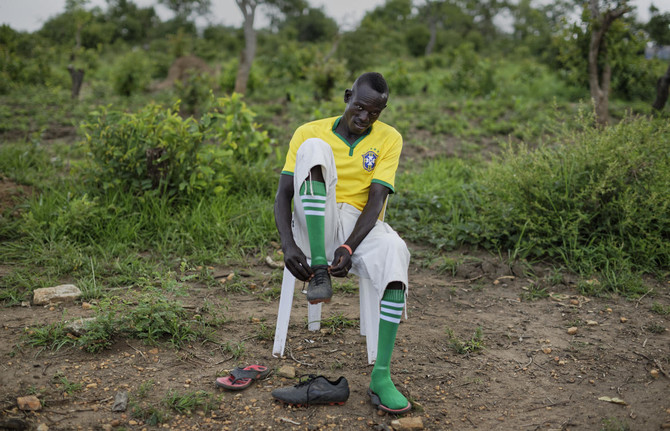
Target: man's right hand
[{"x": 296, "y": 262}]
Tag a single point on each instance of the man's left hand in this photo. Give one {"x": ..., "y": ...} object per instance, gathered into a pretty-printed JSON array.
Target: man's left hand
[{"x": 341, "y": 263}]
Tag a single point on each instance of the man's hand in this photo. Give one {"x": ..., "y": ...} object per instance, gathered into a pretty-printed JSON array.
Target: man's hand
[
  {"x": 296, "y": 262},
  {"x": 341, "y": 262}
]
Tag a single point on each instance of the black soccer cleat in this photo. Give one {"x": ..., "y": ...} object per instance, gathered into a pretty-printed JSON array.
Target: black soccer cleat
[
  {"x": 314, "y": 390},
  {"x": 319, "y": 288}
]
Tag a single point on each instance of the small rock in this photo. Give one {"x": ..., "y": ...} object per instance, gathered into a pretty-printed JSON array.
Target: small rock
[
  {"x": 574, "y": 302},
  {"x": 92, "y": 386},
  {"x": 591, "y": 323},
  {"x": 79, "y": 326},
  {"x": 407, "y": 424},
  {"x": 272, "y": 264},
  {"x": 30, "y": 402},
  {"x": 546, "y": 350},
  {"x": 286, "y": 371},
  {"x": 608, "y": 310},
  {"x": 666, "y": 426},
  {"x": 62, "y": 293},
  {"x": 115, "y": 423},
  {"x": 624, "y": 320},
  {"x": 654, "y": 373},
  {"x": 86, "y": 305},
  {"x": 120, "y": 402},
  {"x": 42, "y": 427},
  {"x": 107, "y": 427},
  {"x": 25, "y": 304},
  {"x": 572, "y": 330}
]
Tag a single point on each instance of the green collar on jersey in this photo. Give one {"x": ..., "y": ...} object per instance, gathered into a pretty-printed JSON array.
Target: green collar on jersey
[{"x": 351, "y": 146}]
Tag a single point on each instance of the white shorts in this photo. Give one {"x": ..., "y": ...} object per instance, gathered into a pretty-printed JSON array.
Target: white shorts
[{"x": 382, "y": 256}]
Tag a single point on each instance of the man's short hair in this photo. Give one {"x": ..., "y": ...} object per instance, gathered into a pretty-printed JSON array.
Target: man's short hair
[{"x": 375, "y": 81}]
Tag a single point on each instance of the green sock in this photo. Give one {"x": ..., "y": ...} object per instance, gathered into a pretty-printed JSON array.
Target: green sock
[
  {"x": 313, "y": 197},
  {"x": 392, "y": 305}
]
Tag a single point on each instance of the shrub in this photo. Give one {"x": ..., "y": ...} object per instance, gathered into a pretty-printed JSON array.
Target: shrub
[
  {"x": 132, "y": 73},
  {"x": 600, "y": 202},
  {"x": 156, "y": 151}
]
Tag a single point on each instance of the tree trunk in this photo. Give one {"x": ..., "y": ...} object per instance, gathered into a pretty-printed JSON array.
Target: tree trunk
[
  {"x": 430, "y": 47},
  {"x": 662, "y": 90},
  {"x": 77, "y": 76},
  {"x": 248, "y": 8},
  {"x": 599, "y": 80}
]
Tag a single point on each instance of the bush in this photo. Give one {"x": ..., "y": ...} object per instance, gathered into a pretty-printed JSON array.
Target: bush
[
  {"x": 132, "y": 73},
  {"x": 600, "y": 202},
  {"x": 156, "y": 151}
]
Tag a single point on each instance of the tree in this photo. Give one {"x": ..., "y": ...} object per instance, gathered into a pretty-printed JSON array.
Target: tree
[
  {"x": 658, "y": 26},
  {"x": 81, "y": 17},
  {"x": 662, "y": 90},
  {"x": 600, "y": 71},
  {"x": 183, "y": 9},
  {"x": 248, "y": 8}
]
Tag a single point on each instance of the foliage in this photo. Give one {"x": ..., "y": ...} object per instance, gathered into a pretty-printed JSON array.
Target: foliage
[
  {"x": 474, "y": 345},
  {"x": 598, "y": 202},
  {"x": 132, "y": 73},
  {"x": 187, "y": 403},
  {"x": 632, "y": 74},
  {"x": 155, "y": 151}
]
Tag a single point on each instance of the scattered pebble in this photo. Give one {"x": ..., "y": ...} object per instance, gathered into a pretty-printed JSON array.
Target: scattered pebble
[
  {"x": 624, "y": 320},
  {"x": 591, "y": 323},
  {"x": 572, "y": 330},
  {"x": 654, "y": 373},
  {"x": 546, "y": 350}
]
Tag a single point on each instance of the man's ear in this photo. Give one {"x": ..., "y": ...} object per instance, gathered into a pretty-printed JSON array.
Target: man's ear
[{"x": 347, "y": 95}]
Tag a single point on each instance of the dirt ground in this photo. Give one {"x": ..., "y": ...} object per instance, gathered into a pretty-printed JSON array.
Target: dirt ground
[{"x": 530, "y": 375}]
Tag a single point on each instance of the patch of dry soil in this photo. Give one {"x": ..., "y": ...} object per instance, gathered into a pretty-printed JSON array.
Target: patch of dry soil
[{"x": 531, "y": 374}]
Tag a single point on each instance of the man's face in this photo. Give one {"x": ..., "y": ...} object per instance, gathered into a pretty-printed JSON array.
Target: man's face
[{"x": 364, "y": 105}]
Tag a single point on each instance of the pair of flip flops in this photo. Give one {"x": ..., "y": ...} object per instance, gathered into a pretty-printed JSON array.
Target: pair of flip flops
[{"x": 241, "y": 378}]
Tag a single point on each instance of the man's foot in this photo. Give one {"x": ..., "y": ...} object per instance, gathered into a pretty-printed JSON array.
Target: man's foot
[
  {"x": 319, "y": 288},
  {"x": 386, "y": 397},
  {"x": 315, "y": 390}
]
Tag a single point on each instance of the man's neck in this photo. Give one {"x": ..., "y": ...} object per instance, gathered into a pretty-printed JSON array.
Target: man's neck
[{"x": 343, "y": 131}]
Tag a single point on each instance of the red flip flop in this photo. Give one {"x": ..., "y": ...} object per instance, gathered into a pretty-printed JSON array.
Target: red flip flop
[{"x": 241, "y": 378}]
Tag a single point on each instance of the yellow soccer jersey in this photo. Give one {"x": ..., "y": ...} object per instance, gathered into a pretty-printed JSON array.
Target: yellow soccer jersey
[{"x": 373, "y": 158}]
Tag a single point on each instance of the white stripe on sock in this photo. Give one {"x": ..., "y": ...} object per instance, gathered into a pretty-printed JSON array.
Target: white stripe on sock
[
  {"x": 316, "y": 213},
  {"x": 389, "y": 319},
  {"x": 314, "y": 197},
  {"x": 393, "y": 304},
  {"x": 391, "y": 311},
  {"x": 313, "y": 205}
]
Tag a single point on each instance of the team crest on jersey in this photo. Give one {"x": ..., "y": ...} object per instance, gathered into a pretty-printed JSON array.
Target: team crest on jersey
[{"x": 369, "y": 161}]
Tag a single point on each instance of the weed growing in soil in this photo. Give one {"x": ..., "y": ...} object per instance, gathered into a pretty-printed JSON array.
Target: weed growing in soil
[
  {"x": 614, "y": 424},
  {"x": 338, "y": 321},
  {"x": 661, "y": 309},
  {"x": 534, "y": 292},
  {"x": 474, "y": 345},
  {"x": 67, "y": 386},
  {"x": 144, "y": 388},
  {"x": 188, "y": 402},
  {"x": 150, "y": 414}
]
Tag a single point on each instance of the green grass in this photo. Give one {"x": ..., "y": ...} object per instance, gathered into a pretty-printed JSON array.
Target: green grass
[
  {"x": 463, "y": 347},
  {"x": 189, "y": 402}
]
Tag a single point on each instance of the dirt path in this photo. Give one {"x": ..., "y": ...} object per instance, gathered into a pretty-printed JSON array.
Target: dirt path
[{"x": 531, "y": 373}]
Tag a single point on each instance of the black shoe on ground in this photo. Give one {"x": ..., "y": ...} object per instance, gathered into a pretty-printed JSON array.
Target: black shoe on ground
[
  {"x": 315, "y": 390},
  {"x": 319, "y": 288}
]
